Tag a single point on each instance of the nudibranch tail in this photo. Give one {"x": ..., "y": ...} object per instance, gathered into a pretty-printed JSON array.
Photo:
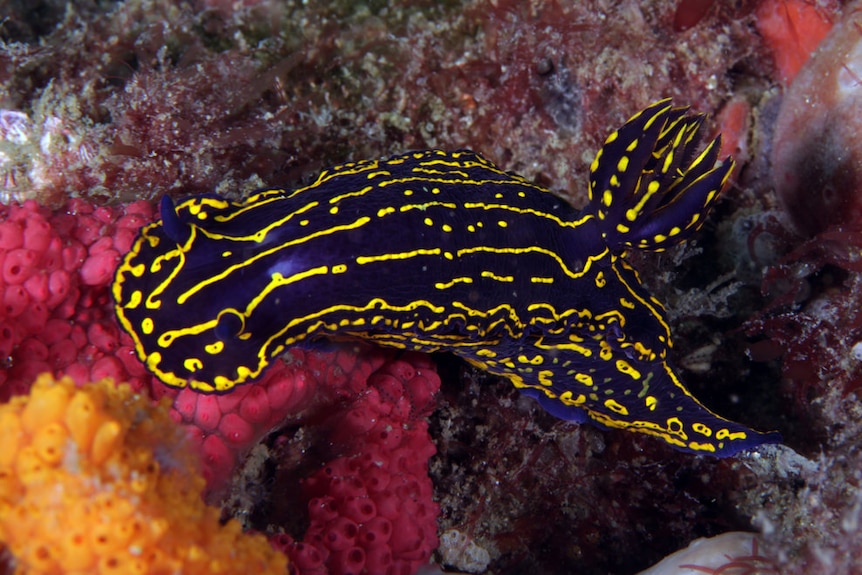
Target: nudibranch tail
[
  {"x": 646, "y": 191},
  {"x": 655, "y": 403},
  {"x": 444, "y": 251}
]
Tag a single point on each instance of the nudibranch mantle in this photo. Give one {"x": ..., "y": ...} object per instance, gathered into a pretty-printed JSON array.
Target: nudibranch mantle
[{"x": 437, "y": 250}]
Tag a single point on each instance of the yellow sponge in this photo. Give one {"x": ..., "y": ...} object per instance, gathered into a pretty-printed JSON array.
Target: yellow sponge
[{"x": 97, "y": 480}]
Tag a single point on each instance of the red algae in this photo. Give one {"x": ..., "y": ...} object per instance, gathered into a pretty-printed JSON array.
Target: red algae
[{"x": 136, "y": 108}]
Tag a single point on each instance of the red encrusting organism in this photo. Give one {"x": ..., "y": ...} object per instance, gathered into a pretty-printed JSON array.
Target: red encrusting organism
[
  {"x": 791, "y": 30},
  {"x": 56, "y": 312},
  {"x": 370, "y": 503},
  {"x": 371, "y": 509}
]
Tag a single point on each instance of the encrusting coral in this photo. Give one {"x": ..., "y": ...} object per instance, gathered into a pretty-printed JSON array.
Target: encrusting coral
[{"x": 98, "y": 480}]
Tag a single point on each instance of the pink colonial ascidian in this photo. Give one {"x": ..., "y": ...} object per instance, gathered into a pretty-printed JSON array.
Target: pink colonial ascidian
[{"x": 368, "y": 495}]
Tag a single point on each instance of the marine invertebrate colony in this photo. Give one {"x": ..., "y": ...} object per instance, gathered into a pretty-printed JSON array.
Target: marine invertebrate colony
[
  {"x": 67, "y": 328},
  {"x": 54, "y": 309},
  {"x": 368, "y": 496},
  {"x": 485, "y": 264},
  {"x": 98, "y": 480}
]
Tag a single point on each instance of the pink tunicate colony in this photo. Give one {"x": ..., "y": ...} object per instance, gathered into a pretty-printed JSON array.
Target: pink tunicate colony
[
  {"x": 371, "y": 509},
  {"x": 55, "y": 274},
  {"x": 371, "y": 506}
]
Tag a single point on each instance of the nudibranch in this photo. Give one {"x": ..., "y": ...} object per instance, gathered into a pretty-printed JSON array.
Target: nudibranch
[{"x": 444, "y": 251}]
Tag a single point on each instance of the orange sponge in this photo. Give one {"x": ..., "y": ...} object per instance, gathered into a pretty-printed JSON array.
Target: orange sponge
[{"x": 97, "y": 480}]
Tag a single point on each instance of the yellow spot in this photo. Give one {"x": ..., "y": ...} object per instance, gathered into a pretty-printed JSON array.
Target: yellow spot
[
  {"x": 626, "y": 303},
  {"x": 486, "y": 353},
  {"x": 659, "y": 238},
  {"x": 702, "y": 429},
  {"x": 623, "y": 164},
  {"x": 607, "y": 198},
  {"x": 674, "y": 425},
  {"x": 408, "y": 192},
  {"x": 624, "y": 367},
  {"x": 339, "y": 268},
  {"x": 546, "y": 377},
  {"x": 435, "y": 191},
  {"x": 600, "y": 280},
  {"x": 537, "y": 280},
  {"x": 616, "y": 407},
  {"x": 631, "y": 147},
  {"x": 147, "y": 326},
  {"x": 223, "y": 383},
  {"x": 701, "y": 446},
  {"x": 536, "y": 359},
  {"x": 193, "y": 364},
  {"x": 471, "y": 228},
  {"x": 214, "y": 348},
  {"x": 447, "y": 228},
  {"x": 566, "y": 398},
  {"x": 622, "y": 229},
  {"x": 615, "y": 181},
  {"x": 651, "y": 402},
  {"x": 584, "y": 378},
  {"x": 643, "y": 350},
  {"x": 605, "y": 351},
  {"x": 226, "y": 254},
  {"x": 333, "y": 210},
  {"x": 502, "y": 223},
  {"x": 725, "y": 433},
  {"x": 134, "y": 300},
  {"x": 632, "y": 214},
  {"x": 303, "y": 222},
  {"x": 595, "y": 165},
  {"x": 428, "y": 222},
  {"x": 384, "y": 211}
]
